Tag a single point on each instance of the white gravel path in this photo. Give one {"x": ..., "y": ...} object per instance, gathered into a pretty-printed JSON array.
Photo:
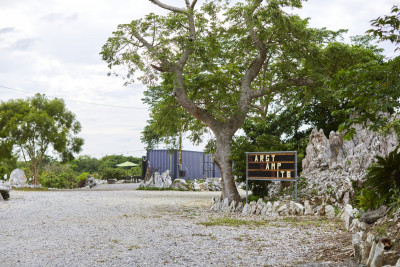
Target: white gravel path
[{"x": 145, "y": 228}]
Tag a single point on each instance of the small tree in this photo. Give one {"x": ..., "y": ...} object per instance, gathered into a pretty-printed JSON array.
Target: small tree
[{"x": 35, "y": 125}]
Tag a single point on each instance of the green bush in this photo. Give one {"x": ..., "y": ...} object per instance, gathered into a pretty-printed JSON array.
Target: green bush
[
  {"x": 368, "y": 199},
  {"x": 113, "y": 173},
  {"x": 253, "y": 198},
  {"x": 82, "y": 179},
  {"x": 60, "y": 180},
  {"x": 382, "y": 183},
  {"x": 259, "y": 188}
]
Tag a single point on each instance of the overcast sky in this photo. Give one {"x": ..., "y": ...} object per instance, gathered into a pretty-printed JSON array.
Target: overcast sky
[{"x": 52, "y": 47}]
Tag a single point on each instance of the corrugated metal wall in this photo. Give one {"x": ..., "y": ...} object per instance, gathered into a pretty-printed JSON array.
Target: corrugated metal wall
[
  {"x": 160, "y": 160},
  {"x": 196, "y": 165},
  {"x": 192, "y": 164}
]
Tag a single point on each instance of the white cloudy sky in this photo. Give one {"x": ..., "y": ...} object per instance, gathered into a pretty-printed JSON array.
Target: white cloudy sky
[{"x": 52, "y": 47}]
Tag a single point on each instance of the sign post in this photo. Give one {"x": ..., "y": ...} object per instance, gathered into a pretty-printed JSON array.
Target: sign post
[{"x": 271, "y": 166}]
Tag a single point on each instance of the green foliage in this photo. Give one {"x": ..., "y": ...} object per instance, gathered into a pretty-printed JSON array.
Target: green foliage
[
  {"x": 385, "y": 173},
  {"x": 5, "y": 194},
  {"x": 7, "y": 165},
  {"x": 234, "y": 222},
  {"x": 368, "y": 199},
  {"x": 382, "y": 183},
  {"x": 58, "y": 175},
  {"x": 82, "y": 179},
  {"x": 111, "y": 173},
  {"x": 253, "y": 197},
  {"x": 85, "y": 164},
  {"x": 36, "y": 124},
  {"x": 372, "y": 91},
  {"x": 387, "y": 28}
]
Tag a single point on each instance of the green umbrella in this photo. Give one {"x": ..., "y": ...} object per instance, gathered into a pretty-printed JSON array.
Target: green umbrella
[{"x": 127, "y": 164}]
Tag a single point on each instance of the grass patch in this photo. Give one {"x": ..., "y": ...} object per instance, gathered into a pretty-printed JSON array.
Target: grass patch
[
  {"x": 227, "y": 221},
  {"x": 149, "y": 188},
  {"x": 31, "y": 189}
]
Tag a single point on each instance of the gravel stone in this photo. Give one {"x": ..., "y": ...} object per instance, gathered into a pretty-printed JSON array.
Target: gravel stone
[{"x": 145, "y": 228}]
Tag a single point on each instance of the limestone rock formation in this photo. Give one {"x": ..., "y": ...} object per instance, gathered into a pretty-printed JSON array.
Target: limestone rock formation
[
  {"x": 332, "y": 164},
  {"x": 158, "y": 180},
  {"x": 180, "y": 184}
]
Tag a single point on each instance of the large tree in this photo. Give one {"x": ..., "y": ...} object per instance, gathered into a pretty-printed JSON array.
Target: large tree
[
  {"x": 36, "y": 125},
  {"x": 373, "y": 88},
  {"x": 216, "y": 61}
]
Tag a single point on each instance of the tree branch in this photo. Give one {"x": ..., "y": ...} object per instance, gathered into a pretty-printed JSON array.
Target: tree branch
[
  {"x": 168, "y": 7},
  {"x": 256, "y": 64},
  {"x": 193, "y": 4},
  {"x": 153, "y": 50},
  {"x": 192, "y": 37}
]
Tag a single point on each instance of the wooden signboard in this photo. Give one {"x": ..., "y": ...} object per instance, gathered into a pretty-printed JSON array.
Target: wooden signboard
[{"x": 272, "y": 166}]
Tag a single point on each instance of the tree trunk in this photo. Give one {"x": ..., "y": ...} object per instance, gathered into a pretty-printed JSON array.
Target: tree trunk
[{"x": 223, "y": 160}]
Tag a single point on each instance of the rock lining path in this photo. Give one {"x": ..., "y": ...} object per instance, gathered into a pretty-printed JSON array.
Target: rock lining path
[{"x": 147, "y": 228}]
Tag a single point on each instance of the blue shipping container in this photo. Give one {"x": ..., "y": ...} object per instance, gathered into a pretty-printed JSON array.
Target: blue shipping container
[{"x": 195, "y": 165}]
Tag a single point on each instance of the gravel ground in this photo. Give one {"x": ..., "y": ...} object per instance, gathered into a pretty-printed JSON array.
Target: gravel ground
[{"x": 151, "y": 228}]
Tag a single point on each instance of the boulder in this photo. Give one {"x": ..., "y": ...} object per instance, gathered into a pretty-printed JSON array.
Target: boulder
[
  {"x": 329, "y": 211},
  {"x": 320, "y": 210},
  {"x": 179, "y": 184},
  {"x": 17, "y": 178},
  {"x": 308, "y": 209},
  {"x": 253, "y": 207},
  {"x": 346, "y": 215},
  {"x": 366, "y": 248},
  {"x": 246, "y": 208},
  {"x": 292, "y": 210},
  {"x": 196, "y": 186},
  {"x": 269, "y": 207},
  {"x": 239, "y": 207},
  {"x": 371, "y": 254},
  {"x": 299, "y": 209},
  {"x": 356, "y": 242},
  {"x": 91, "y": 182},
  {"x": 275, "y": 205},
  {"x": 377, "y": 257},
  {"x": 283, "y": 210},
  {"x": 372, "y": 216}
]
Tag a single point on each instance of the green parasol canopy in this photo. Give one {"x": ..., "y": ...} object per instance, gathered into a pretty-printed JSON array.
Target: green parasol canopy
[{"x": 127, "y": 164}]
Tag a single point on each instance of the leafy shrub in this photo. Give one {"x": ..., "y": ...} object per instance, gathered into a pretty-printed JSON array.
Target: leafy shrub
[
  {"x": 259, "y": 188},
  {"x": 82, "y": 179},
  {"x": 112, "y": 173},
  {"x": 58, "y": 180},
  {"x": 253, "y": 198},
  {"x": 368, "y": 199},
  {"x": 382, "y": 182}
]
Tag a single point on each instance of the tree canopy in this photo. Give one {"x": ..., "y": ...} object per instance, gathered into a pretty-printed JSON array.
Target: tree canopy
[
  {"x": 215, "y": 62},
  {"x": 36, "y": 125}
]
